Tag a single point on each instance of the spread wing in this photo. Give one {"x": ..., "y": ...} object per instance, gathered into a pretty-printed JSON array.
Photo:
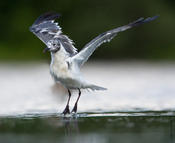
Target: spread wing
[
  {"x": 46, "y": 29},
  {"x": 89, "y": 48}
]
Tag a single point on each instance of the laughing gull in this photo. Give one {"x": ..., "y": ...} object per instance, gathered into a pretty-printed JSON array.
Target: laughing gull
[{"x": 65, "y": 60}]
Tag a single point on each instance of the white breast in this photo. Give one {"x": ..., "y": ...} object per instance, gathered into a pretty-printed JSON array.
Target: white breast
[
  {"x": 59, "y": 66},
  {"x": 65, "y": 73}
]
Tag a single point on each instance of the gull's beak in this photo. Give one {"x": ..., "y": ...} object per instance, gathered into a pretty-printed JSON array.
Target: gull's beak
[{"x": 46, "y": 49}]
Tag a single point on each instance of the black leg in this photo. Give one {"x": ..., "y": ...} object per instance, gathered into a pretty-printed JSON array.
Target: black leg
[
  {"x": 74, "y": 110},
  {"x": 66, "y": 110}
]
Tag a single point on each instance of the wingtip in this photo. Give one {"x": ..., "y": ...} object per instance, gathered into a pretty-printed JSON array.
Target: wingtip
[
  {"x": 156, "y": 16},
  {"x": 31, "y": 29},
  {"x": 151, "y": 18},
  {"x": 46, "y": 17},
  {"x": 143, "y": 20}
]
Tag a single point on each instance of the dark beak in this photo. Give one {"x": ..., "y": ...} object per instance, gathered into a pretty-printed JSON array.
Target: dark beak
[{"x": 46, "y": 49}]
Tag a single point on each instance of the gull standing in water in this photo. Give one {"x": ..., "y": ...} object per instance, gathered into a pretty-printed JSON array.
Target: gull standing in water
[{"x": 66, "y": 61}]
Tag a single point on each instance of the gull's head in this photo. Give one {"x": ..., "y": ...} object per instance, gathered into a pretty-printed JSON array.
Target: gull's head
[{"x": 53, "y": 46}]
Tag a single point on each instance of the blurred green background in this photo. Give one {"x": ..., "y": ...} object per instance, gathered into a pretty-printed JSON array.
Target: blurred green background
[{"x": 83, "y": 20}]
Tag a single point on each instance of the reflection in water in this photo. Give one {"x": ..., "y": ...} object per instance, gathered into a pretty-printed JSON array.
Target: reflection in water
[
  {"x": 101, "y": 129},
  {"x": 172, "y": 130},
  {"x": 74, "y": 135},
  {"x": 71, "y": 127}
]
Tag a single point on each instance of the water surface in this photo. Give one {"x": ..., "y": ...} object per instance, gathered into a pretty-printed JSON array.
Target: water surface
[
  {"x": 94, "y": 129},
  {"x": 139, "y": 105},
  {"x": 28, "y": 88}
]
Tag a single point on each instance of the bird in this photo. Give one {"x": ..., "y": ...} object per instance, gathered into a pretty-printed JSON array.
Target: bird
[{"x": 66, "y": 61}]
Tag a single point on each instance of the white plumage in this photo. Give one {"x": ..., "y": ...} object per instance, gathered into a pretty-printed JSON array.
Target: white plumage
[{"x": 65, "y": 60}]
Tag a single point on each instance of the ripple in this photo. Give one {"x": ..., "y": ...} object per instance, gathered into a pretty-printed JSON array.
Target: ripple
[{"x": 93, "y": 114}]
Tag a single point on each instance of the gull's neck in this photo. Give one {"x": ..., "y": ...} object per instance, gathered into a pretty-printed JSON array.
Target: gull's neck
[
  {"x": 59, "y": 57},
  {"x": 58, "y": 66}
]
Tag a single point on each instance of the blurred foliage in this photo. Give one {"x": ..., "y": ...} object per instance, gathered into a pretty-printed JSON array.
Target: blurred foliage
[{"x": 83, "y": 20}]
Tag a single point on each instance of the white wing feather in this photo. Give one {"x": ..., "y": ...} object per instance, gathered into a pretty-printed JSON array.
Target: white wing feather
[{"x": 89, "y": 48}]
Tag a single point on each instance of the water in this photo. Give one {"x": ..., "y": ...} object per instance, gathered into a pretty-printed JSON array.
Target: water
[
  {"x": 139, "y": 105},
  {"x": 101, "y": 129}
]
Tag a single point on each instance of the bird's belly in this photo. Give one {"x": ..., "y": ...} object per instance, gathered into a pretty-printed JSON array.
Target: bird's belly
[
  {"x": 69, "y": 82},
  {"x": 60, "y": 70},
  {"x": 66, "y": 77}
]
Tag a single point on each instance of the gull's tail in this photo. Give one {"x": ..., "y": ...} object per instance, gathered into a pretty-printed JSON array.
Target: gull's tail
[{"x": 95, "y": 87}]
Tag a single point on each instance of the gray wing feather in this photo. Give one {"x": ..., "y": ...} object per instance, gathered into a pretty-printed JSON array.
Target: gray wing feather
[
  {"x": 89, "y": 48},
  {"x": 46, "y": 29}
]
